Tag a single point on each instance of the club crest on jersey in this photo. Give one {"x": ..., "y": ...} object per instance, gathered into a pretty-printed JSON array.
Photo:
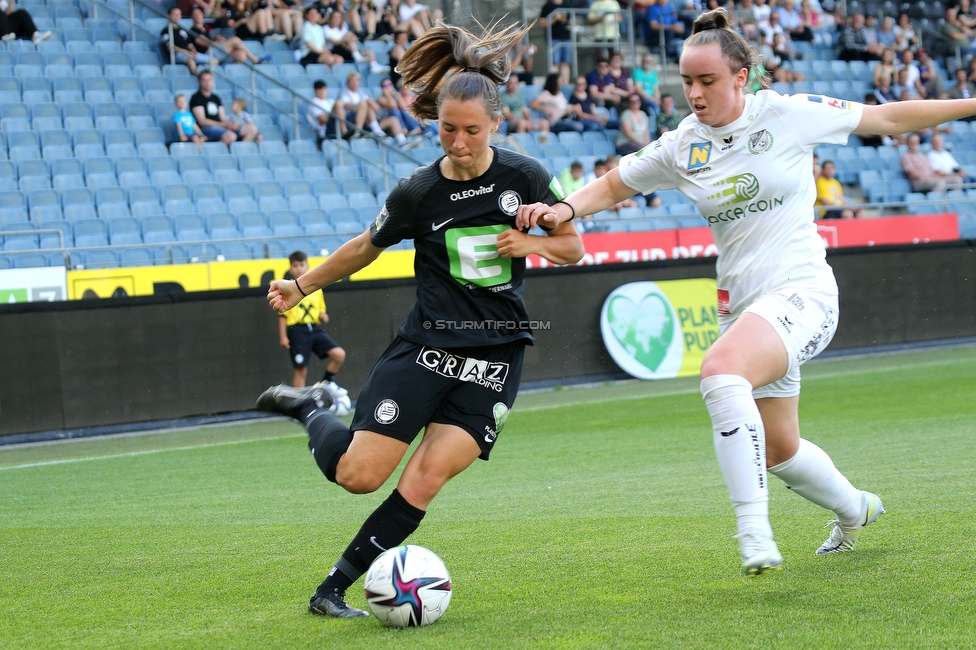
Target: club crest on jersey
[
  {"x": 760, "y": 142},
  {"x": 509, "y": 202},
  {"x": 699, "y": 154}
]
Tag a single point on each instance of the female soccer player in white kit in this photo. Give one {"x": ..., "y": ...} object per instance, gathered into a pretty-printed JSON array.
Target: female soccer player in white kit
[{"x": 746, "y": 162}]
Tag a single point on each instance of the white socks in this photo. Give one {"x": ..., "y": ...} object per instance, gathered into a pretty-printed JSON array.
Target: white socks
[
  {"x": 374, "y": 126},
  {"x": 812, "y": 475},
  {"x": 740, "y": 444}
]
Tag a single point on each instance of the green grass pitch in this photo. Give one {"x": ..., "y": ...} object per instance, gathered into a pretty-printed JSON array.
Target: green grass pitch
[{"x": 601, "y": 521}]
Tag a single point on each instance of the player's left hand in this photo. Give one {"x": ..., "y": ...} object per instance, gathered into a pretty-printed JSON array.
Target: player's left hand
[
  {"x": 283, "y": 295},
  {"x": 532, "y": 214},
  {"x": 514, "y": 243}
]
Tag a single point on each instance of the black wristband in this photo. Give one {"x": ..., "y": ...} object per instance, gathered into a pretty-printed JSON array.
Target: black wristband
[
  {"x": 297, "y": 286},
  {"x": 570, "y": 207}
]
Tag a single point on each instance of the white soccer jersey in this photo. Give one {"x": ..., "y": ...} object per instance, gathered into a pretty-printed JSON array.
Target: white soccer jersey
[{"x": 753, "y": 181}]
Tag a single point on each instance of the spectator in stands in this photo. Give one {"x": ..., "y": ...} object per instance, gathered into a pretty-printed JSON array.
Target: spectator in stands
[
  {"x": 17, "y": 23},
  {"x": 744, "y": 17},
  {"x": 920, "y": 173},
  {"x": 561, "y": 47},
  {"x": 762, "y": 11},
  {"x": 525, "y": 59},
  {"x": 623, "y": 85},
  {"x": 209, "y": 112},
  {"x": 771, "y": 29},
  {"x": 601, "y": 86},
  {"x": 831, "y": 193},
  {"x": 605, "y": 16},
  {"x": 646, "y": 85},
  {"x": 287, "y": 17},
  {"x": 959, "y": 35},
  {"x": 871, "y": 33},
  {"x": 250, "y": 21},
  {"x": 571, "y": 178},
  {"x": 929, "y": 76},
  {"x": 401, "y": 41},
  {"x": 964, "y": 12},
  {"x": 392, "y": 105},
  {"x": 415, "y": 18},
  {"x": 886, "y": 68},
  {"x": 551, "y": 103},
  {"x": 944, "y": 163},
  {"x": 886, "y": 33},
  {"x": 515, "y": 110},
  {"x": 905, "y": 37},
  {"x": 884, "y": 93},
  {"x": 811, "y": 16},
  {"x": 668, "y": 119},
  {"x": 181, "y": 49},
  {"x": 345, "y": 44},
  {"x": 635, "y": 128},
  {"x": 609, "y": 164},
  {"x": 964, "y": 89},
  {"x": 314, "y": 48},
  {"x": 584, "y": 109},
  {"x": 854, "y": 44},
  {"x": 792, "y": 21},
  {"x": 186, "y": 125},
  {"x": 324, "y": 112},
  {"x": 903, "y": 90},
  {"x": 203, "y": 38},
  {"x": 817, "y": 169},
  {"x": 662, "y": 19},
  {"x": 364, "y": 111},
  {"x": 186, "y": 6},
  {"x": 243, "y": 120}
]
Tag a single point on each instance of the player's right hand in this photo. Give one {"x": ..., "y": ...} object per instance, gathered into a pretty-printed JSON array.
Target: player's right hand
[
  {"x": 532, "y": 214},
  {"x": 283, "y": 295}
]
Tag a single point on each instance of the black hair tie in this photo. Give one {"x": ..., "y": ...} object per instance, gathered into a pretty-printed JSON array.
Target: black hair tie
[
  {"x": 709, "y": 24},
  {"x": 299, "y": 288}
]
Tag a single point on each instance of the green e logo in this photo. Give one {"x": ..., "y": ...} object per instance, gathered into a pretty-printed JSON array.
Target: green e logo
[{"x": 474, "y": 256}]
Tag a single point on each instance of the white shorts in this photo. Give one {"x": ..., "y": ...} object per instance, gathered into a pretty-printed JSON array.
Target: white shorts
[{"x": 805, "y": 320}]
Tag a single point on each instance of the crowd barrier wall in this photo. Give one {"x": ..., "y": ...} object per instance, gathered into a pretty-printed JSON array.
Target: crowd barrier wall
[{"x": 76, "y": 364}]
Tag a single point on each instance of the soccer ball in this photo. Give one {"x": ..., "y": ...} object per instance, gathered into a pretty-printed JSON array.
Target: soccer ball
[
  {"x": 341, "y": 405},
  {"x": 408, "y": 586}
]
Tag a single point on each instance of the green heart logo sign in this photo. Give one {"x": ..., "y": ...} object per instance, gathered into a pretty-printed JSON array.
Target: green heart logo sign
[
  {"x": 645, "y": 330},
  {"x": 641, "y": 331}
]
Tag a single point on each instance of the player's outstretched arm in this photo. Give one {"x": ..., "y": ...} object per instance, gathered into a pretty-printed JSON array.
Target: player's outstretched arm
[
  {"x": 563, "y": 245},
  {"x": 355, "y": 255},
  {"x": 605, "y": 191},
  {"x": 895, "y": 118}
]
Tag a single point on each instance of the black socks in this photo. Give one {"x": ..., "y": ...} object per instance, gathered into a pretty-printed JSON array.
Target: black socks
[
  {"x": 328, "y": 438},
  {"x": 387, "y": 527}
]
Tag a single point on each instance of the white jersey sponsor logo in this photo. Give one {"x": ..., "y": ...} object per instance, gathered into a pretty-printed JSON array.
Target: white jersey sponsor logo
[{"x": 467, "y": 194}]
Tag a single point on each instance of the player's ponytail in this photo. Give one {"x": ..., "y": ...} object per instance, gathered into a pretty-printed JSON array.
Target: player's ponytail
[
  {"x": 715, "y": 27},
  {"x": 448, "y": 62}
]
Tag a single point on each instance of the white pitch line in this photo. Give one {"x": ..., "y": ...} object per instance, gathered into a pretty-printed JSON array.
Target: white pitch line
[
  {"x": 528, "y": 409},
  {"x": 146, "y": 452}
]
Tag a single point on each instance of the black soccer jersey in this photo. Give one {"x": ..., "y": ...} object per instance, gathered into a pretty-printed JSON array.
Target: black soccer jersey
[{"x": 467, "y": 294}]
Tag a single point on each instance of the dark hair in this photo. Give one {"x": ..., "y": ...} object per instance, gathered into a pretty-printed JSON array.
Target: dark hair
[
  {"x": 319, "y": 83},
  {"x": 552, "y": 83},
  {"x": 576, "y": 165},
  {"x": 298, "y": 256},
  {"x": 599, "y": 162},
  {"x": 827, "y": 162},
  {"x": 666, "y": 96},
  {"x": 715, "y": 27},
  {"x": 448, "y": 62}
]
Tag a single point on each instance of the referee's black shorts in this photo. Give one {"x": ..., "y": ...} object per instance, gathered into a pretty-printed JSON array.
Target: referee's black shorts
[
  {"x": 305, "y": 340},
  {"x": 412, "y": 385}
]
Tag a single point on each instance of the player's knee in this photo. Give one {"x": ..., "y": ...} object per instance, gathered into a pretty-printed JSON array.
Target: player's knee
[
  {"x": 716, "y": 362},
  {"x": 338, "y": 355},
  {"x": 358, "y": 482}
]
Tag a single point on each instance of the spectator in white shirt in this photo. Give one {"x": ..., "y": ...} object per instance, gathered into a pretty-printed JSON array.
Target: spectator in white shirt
[
  {"x": 944, "y": 163},
  {"x": 322, "y": 110},
  {"x": 314, "y": 48}
]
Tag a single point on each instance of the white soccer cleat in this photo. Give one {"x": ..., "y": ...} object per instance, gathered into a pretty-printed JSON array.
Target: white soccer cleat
[
  {"x": 843, "y": 538},
  {"x": 341, "y": 404},
  {"x": 759, "y": 554}
]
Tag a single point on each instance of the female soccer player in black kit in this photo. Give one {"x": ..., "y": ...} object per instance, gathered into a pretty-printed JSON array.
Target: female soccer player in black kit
[{"x": 454, "y": 368}]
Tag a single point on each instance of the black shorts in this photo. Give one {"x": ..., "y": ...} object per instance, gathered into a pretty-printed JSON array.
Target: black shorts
[
  {"x": 412, "y": 385},
  {"x": 304, "y": 341}
]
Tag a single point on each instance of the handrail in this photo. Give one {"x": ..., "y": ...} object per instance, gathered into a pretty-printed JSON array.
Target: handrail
[
  {"x": 255, "y": 70},
  {"x": 575, "y": 28}
]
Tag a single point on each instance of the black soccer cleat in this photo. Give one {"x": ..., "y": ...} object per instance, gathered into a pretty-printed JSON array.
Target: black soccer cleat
[
  {"x": 331, "y": 603},
  {"x": 289, "y": 401}
]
